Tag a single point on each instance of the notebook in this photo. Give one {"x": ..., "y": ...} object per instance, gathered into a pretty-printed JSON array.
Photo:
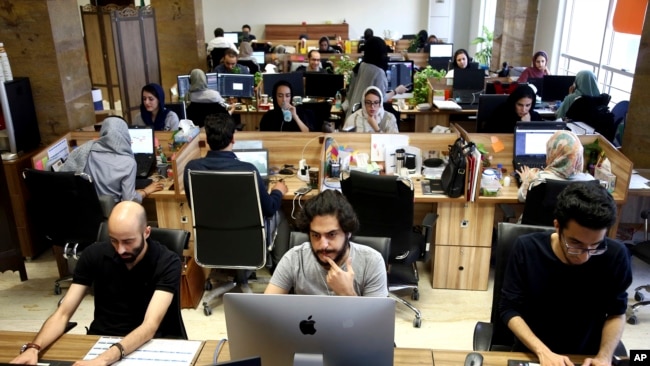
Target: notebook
[
  {"x": 530, "y": 142},
  {"x": 257, "y": 157},
  {"x": 142, "y": 144},
  {"x": 446, "y": 105}
]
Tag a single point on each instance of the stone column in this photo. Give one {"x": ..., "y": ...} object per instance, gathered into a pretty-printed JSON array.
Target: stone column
[
  {"x": 181, "y": 40},
  {"x": 44, "y": 42},
  {"x": 514, "y": 32}
]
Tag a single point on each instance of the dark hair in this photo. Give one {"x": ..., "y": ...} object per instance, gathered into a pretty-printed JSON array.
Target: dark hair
[
  {"x": 588, "y": 204},
  {"x": 373, "y": 91},
  {"x": 522, "y": 91},
  {"x": 458, "y": 52},
  {"x": 422, "y": 38},
  {"x": 328, "y": 202},
  {"x": 219, "y": 129},
  {"x": 157, "y": 91},
  {"x": 540, "y": 53},
  {"x": 312, "y": 51},
  {"x": 303, "y": 36},
  {"x": 324, "y": 39},
  {"x": 375, "y": 53},
  {"x": 368, "y": 33},
  {"x": 278, "y": 84},
  {"x": 230, "y": 52},
  {"x": 218, "y": 32},
  {"x": 246, "y": 26}
]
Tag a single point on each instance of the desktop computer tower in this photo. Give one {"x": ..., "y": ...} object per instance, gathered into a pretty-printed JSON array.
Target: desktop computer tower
[{"x": 19, "y": 114}]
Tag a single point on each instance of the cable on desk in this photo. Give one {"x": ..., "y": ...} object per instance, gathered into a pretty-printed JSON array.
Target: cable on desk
[
  {"x": 293, "y": 204},
  {"x": 217, "y": 350}
]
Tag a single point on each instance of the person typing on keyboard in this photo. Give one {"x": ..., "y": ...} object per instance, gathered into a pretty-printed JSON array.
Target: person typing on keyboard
[
  {"x": 110, "y": 163},
  {"x": 564, "y": 161}
]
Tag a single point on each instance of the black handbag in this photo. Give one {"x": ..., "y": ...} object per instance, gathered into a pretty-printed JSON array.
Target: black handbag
[{"x": 453, "y": 176}]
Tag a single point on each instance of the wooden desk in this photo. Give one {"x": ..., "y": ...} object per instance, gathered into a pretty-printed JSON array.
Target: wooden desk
[
  {"x": 426, "y": 120},
  {"x": 455, "y": 358}
]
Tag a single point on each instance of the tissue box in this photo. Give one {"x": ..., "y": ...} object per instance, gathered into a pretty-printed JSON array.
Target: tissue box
[
  {"x": 183, "y": 136},
  {"x": 607, "y": 179}
]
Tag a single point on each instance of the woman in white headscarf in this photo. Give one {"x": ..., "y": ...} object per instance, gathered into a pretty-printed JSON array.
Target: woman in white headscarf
[
  {"x": 371, "y": 117},
  {"x": 109, "y": 162}
]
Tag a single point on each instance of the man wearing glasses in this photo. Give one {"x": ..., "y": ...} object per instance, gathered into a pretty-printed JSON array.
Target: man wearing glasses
[{"x": 565, "y": 292}]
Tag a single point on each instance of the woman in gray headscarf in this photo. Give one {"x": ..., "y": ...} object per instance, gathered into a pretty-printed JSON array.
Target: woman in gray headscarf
[
  {"x": 199, "y": 91},
  {"x": 584, "y": 85},
  {"x": 109, "y": 162}
]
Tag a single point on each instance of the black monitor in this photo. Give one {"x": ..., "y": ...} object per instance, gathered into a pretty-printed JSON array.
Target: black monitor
[
  {"x": 322, "y": 84},
  {"x": 399, "y": 73},
  {"x": 445, "y": 50},
  {"x": 294, "y": 78},
  {"x": 539, "y": 84},
  {"x": 439, "y": 63},
  {"x": 236, "y": 85},
  {"x": 182, "y": 85},
  {"x": 469, "y": 79},
  {"x": 556, "y": 87}
]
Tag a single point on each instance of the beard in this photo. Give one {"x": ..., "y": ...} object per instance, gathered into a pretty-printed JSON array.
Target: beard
[
  {"x": 132, "y": 256},
  {"x": 340, "y": 254}
]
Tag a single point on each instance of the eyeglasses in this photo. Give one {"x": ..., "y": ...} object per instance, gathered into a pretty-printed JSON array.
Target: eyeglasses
[
  {"x": 369, "y": 103},
  {"x": 601, "y": 248}
]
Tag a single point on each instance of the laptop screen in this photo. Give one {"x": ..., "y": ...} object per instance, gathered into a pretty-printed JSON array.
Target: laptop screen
[
  {"x": 259, "y": 57},
  {"x": 257, "y": 157},
  {"x": 531, "y": 137},
  {"x": 142, "y": 140}
]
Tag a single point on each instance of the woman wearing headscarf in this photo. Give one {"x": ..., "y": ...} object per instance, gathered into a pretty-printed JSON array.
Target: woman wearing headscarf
[
  {"x": 285, "y": 116},
  {"x": 460, "y": 60},
  {"x": 584, "y": 85},
  {"x": 109, "y": 162},
  {"x": 371, "y": 71},
  {"x": 371, "y": 117},
  {"x": 518, "y": 107},
  {"x": 537, "y": 70},
  {"x": 199, "y": 91},
  {"x": 153, "y": 112},
  {"x": 564, "y": 161}
]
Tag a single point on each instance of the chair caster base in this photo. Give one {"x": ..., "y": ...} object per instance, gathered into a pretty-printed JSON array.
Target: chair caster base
[{"x": 417, "y": 322}]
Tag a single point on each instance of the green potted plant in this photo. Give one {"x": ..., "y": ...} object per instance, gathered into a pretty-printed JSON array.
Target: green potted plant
[
  {"x": 484, "y": 43},
  {"x": 421, "y": 83},
  {"x": 343, "y": 65}
]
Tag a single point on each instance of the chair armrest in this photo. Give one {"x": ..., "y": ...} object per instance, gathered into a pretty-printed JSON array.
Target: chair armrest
[
  {"x": 429, "y": 220},
  {"x": 483, "y": 336},
  {"x": 508, "y": 212}
]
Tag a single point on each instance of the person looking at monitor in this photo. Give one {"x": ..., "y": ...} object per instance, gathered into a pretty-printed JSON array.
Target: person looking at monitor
[
  {"x": 229, "y": 64},
  {"x": 285, "y": 116},
  {"x": 314, "y": 64},
  {"x": 199, "y": 91},
  {"x": 518, "y": 107},
  {"x": 153, "y": 113},
  {"x": 538, "y": 69},
  {"x": 460, "y": 60},
  {"x": 325, "y": 47},
  {"x": 219, "y": 41},
  {"x": 220, "y": 133},
  {"x": 329, "y": 264},
  {"x": 109, "y": 162},
  {"x": 371, "y": 117},
  {"x": 135, "y": 281},
  {"x": 549, "y": 274},
  {"x": 371, "y": 71},
  {"x": 585, "y": 85},
  {"x": 564, "y": 161},
  {"x": 246, "y": 35}
]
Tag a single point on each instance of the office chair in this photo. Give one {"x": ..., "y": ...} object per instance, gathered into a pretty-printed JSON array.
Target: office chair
[
  {"x": 541, "y": 200},
  {"x": 178, "y": 108},
  {"x": 216, "y": 55},
  {"x": 620, "y": 115},
  {"x": 380, "y": 244},
  {"x": 487, "y": 104},
  {"x": 253, "y": 67},
  {"x": 394, "y": 195},
  {"x": 642, "y": 251},
  {"x": 594, "y": 111},
  {"x": 321, "y": 112},
  {"x": 66, "y": 211},
  {"x": 229, "y": 228},
  {"x": 196, "y": 112},
  {"x": 176, "y": 240}
]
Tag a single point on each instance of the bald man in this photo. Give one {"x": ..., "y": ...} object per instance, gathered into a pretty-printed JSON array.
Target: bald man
[{"x": 135, "y": 280}]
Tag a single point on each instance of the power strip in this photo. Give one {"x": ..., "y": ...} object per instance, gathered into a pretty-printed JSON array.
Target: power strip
[{"x": 303, "y": 170}]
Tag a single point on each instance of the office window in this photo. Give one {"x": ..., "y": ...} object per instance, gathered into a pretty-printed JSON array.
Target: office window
[{"x": 590, "y": 43}]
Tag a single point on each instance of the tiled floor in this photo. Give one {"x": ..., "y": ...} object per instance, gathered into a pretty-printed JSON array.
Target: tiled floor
[{"x": 448, "y": 316}]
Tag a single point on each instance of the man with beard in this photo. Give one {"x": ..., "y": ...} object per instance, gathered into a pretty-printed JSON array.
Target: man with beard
[
  {"x": 135, "y": 281},
  {"x": 565, "y": 292},
  {"x": 329, "y": 264}
]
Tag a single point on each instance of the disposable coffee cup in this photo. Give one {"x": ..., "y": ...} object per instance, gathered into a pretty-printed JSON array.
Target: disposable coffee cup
[
  {"x": 313, "y": 178},
  {"x": 162, "y": 169},
  {"x": 265, "y": 98}
]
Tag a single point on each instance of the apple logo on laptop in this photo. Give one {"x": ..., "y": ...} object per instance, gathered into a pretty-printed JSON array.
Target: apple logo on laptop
[{"x": 307, "y": 326}]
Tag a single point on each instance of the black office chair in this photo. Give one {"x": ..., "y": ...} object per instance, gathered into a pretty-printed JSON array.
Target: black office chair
[
  {"x": 394, "y": 195},
  {"x": 642, "y": 251},
  {"x": 541, "y": 200},
  {"x": 487, "y": 104},
  {"x": 216, "y": 55},
  {"x": 229, "y": 228},
  {"x": 253, "y": 67},
  {"x": 380, "y": 244},
  {"x": 594, "y": 111},
  {"x": 66, "y": 211},
  {"x": 178, "y": 108},
  {"x": 196, "y": 112},
  {"x": 620, "y": 116},
  {"x": 321, "y": 112},
  {"x": 176, "y": 240}
]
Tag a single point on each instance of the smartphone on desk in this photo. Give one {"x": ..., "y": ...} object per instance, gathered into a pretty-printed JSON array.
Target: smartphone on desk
[{"x": 303, "y": 190}]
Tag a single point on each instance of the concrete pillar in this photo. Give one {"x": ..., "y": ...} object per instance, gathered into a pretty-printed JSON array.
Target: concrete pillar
[{"x": 514, "y": 32}]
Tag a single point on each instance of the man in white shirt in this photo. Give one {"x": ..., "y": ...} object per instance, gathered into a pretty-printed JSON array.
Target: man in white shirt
[{"x": 219, "y": 41}]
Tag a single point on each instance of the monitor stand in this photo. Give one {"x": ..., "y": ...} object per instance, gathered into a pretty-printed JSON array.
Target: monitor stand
[{"x": 308, "y": 359}]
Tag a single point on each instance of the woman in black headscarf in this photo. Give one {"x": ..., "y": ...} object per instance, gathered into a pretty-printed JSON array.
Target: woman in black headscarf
[{"x": 153, "y": 112}]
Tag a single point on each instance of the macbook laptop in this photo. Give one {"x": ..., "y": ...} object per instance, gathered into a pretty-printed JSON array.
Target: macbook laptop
[
  {"x": 257, "y": 157},
  {"x": 142, "y": 144},
  {"x": 343, "y": 330},
  {"x": 530, "y": 142}
]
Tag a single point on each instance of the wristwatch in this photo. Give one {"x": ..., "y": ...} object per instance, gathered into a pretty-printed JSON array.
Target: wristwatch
[
  {"x": 119, "y": 346},
  {"x": 26, "y": 346}
]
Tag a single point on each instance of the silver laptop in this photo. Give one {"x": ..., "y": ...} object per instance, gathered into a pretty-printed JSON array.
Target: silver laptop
[
  {"x": 344, "y": 330},
  {"x": 530, "y": 142},
  {"x": 257, "y": 157}
]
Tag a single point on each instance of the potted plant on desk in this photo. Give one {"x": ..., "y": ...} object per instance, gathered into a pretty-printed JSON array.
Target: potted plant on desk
[{"x": 421, "y": 84}]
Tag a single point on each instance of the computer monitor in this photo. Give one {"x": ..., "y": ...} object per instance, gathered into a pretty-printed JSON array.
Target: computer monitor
[
  {"x": 469, "y": 79},
  {"x": 439, "y": 63},
  {"x": 441, "y": 50},
  {"x": 232, "y": 37},
  {"x": 178, "y": 108},
  {"x": 211, "y": 79},
  {"x": 399, "y": 73},
  {"x": 182, "y": 84},
  {"x": 257, "y": 157},
  {"x": 322, "y": 84},
  {"x": 539, "y": 84},
  {"x": 236, "y": 85},
  {"x": 142, "y": 140},
  {"x": 294, "y": 78},
  {"x": 556, "y": 87},
  {"x": 344, "y": 330},
  {"x": 259, "y": 57}
]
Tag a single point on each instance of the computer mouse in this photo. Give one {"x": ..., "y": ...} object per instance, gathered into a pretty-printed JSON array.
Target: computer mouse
[
  {"x": 474, "y": 359},
  {"x": 285, "y": 171}
]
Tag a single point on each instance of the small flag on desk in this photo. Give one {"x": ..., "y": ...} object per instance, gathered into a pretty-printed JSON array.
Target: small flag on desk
[{"x": 640, "y": 357}]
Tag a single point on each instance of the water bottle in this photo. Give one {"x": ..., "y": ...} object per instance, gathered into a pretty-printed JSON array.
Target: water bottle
[
  {"x": 286, "y": 114},
  {"x": 499, "y": 172},
  {"x": 338, "y": 99},
  {"x": 4, "y": 61}
]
